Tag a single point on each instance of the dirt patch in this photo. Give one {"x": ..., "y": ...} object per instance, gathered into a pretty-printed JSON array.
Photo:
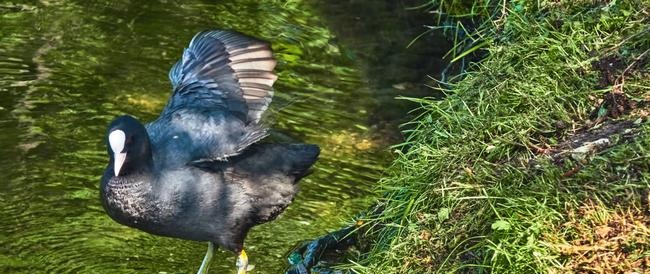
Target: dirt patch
[
  {"x": 613, "y": 71},
  {"x": 613, "y": 68},
  {"x": 610, "y": 68},
  {"x": 613, "y": 105},
  {"x": 600, "y": 240},
  {"x": 606, "y": 130},
  {"x": 601, "y": 131},
  {"x": 588, "y": 141}
]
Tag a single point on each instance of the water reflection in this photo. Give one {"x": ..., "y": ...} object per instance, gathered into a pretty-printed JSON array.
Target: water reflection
[{"x": 68, "y": 67}]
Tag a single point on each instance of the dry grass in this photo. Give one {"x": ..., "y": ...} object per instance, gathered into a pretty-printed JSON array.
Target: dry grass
[{"x": 598, "y": 239}]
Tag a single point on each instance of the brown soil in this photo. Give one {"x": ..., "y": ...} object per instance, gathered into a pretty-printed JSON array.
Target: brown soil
[
  {"x": 613, "y": 105},
  {"x": 599, "y": 240},
  {"x": 610, "y": 68}
]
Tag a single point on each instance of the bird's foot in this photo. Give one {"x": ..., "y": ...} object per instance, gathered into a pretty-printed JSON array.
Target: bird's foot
[{"x": 242, "y": 263}]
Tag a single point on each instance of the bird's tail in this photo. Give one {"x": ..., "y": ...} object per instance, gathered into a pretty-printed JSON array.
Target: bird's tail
[{"x": 288, "y": 159}]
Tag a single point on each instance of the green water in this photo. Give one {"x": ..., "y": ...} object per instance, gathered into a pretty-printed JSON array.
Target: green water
[{"x": 68, "y": 67}]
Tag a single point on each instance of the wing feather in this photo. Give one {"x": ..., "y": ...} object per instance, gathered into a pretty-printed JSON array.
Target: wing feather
[{"x": 221, "y": 75}]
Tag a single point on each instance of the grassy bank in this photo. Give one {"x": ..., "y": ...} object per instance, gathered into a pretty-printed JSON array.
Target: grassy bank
[{"x": 537, "y": 160}]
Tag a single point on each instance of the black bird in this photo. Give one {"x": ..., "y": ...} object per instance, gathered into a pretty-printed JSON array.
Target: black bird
[{"x": 198, "y": 172}]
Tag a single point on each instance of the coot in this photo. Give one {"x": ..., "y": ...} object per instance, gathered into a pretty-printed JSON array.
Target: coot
[{"x": 198, "y": 172}]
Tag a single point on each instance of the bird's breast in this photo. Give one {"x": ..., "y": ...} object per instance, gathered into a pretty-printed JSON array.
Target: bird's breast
[{"x": 129, "y": 201}]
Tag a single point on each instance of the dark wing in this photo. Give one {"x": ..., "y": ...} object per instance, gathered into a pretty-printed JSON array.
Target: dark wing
[
  {"x": 221, "y": 87},
  {"x": 235, "y": 66}
]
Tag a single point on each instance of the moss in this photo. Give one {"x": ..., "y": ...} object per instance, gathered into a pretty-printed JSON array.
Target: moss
[{"x": 487, "y": 181}]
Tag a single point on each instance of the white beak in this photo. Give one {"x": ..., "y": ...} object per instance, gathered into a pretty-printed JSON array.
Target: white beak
[{"x": 119, "y": 161}]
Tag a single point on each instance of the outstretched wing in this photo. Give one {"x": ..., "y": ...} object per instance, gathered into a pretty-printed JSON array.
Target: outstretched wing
[
  {"x": 221, "y": 87},
  {"x": 234, "y": 66}
]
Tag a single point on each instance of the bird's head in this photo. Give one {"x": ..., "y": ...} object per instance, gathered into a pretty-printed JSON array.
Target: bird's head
[{"x": 128, "y": 145}]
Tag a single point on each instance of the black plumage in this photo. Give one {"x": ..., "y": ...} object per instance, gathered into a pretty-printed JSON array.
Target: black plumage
[{"x": 198, "y": 172}]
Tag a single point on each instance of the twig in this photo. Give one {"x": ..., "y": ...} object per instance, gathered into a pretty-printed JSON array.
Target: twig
[{"x": 620, "y": 80}]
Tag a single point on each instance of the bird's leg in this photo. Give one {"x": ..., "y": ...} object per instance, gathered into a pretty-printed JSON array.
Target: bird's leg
[
  {"x": 242, "y": 262},
  {"x": 207, "y": 259}
]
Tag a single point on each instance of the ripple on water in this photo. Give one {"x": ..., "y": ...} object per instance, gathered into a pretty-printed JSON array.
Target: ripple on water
[{"x": 68, "y": 67}]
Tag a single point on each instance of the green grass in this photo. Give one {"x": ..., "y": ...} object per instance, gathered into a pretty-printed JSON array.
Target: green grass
[{"x": 481, "y": 184}]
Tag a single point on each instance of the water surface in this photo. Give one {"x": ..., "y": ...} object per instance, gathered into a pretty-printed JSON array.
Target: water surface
[{"x": 67, "y": 68}]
